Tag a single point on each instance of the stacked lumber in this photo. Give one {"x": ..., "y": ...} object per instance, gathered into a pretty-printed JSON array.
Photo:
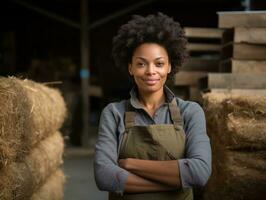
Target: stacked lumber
[
  {"x": 204, "y": 46},
  {"x": 236, "y": 124},
  {"x": 31, "y": 145},
  {"x": 243, "y": 52}
]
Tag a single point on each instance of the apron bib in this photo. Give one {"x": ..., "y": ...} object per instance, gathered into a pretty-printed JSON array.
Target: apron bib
[{"x": 154, "y": 142}]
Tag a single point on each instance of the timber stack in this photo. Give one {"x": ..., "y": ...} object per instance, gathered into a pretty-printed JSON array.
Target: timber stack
[
  {"x": 31, "y": 146},
  {"x": 204, "y": 47}
]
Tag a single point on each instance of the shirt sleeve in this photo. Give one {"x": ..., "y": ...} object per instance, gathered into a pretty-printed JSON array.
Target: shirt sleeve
[
  {"x": 108, "y": 175},
  {"x": 195, "y": 168}
]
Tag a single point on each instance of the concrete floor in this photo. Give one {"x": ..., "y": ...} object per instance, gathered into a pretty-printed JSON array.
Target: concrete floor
[{"x": 78, "y": 168}]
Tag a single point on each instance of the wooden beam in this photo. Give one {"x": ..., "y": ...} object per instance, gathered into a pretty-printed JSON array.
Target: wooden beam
[
  {"x": 242, "y": 19},
  {"x": 85, "y": 73},
  {"x": 184, "y": 78},
  {"x": 233, "y": 81},
  {"x": 244, "y": 51},
  {"x": 245, "y": 35},
  {"x": 243, "y": 66},
  {"x": 201, "y": 64},
  {"x": 203, "y": 47},
  {"x": 194, "y": 32}
]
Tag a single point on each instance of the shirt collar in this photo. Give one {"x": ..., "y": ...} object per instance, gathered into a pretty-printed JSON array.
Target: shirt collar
[{"x": 135, "y": 101}]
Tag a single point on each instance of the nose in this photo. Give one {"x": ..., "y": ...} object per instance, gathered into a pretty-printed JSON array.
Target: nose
[{"x": 150, "y": 69}]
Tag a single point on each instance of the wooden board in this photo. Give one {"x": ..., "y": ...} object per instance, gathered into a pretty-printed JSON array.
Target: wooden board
[
  {"x": 244, "y": 51},
  {"x": 243, "y": 66},
  {"x": 184, "y": 78},
  {"x": 195, "y": 32},
  {"x": 201, "y": 64},
  {"x": 242, "y": 19},
  {"x": 233, "y": 81},
  {"x": 245, "y": 35},
  {"x": 204, "y": 47}
]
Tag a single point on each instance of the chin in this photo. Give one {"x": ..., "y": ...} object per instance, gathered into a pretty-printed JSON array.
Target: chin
[{"x": 150, "y": 89}]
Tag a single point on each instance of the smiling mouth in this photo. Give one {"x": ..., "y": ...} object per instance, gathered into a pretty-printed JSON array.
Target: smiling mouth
[{"x": 151, "y": 81}]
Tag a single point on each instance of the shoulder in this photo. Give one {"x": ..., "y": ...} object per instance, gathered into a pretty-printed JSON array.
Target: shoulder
[
  {"x": 188, "y": 107},
  {"x": 114, "y": 109}
]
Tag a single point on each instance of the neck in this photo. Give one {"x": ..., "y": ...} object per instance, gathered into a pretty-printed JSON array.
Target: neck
[{"x": 152, "y": 100}]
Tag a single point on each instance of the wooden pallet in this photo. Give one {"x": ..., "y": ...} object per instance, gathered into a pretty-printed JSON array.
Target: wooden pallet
[
  {"x": 184, "y": 78},
  {"x": 195, "y": 32},
  {"x": 242, "y": 19},
  {"x": 208, "y": 64},
  {"x": 233, "y": 81},
  {"x": 244, "y": 51},
  {"x": 243, "y": 66},
  {"x": 245, "y": 35}
]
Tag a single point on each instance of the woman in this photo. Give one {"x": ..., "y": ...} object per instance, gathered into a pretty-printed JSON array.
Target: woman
[{"x": 153, "y": 145}]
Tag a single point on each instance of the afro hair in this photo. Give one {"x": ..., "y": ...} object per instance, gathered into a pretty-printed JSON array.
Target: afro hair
[{"x": 159, "y": 29}]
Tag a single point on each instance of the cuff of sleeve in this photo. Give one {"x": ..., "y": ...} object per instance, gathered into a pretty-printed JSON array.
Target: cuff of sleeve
[
  {"x": 121, "y": 179},
  {"x": 185, "y": 175}
]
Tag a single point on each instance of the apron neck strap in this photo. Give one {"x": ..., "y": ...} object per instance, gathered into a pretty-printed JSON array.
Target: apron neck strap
[
  {"x": 129, "y": 116},
  {"x": 129, "y": 119},
  {"x": 175, "y": 113}
]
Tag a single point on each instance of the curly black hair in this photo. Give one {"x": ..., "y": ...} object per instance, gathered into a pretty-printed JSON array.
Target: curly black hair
[{"x": 159, "y": 29}]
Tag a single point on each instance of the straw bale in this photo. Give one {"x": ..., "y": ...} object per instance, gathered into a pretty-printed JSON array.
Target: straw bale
[
  {"x": 26, "y": 177},
  {"x": 244, "y": 105},
  {"x": 238, "y": 121},
  {"x": 29, "y": 113},
  {"x": 246, "y": 132},
  {"x": 52, "y": 189}
]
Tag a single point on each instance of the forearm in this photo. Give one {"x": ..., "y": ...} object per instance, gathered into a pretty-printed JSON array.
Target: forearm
[
  {"x": 164, "y": 172},
  {"x": 137, "y": 184}
]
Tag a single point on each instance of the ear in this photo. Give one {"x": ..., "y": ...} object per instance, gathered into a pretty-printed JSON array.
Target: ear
[
  {"x": 130, "y": 68},
  {"x": 170, "y": 68}
]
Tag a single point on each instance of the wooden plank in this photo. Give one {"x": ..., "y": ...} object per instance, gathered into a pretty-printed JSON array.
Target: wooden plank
[
  {"x": 233, "y": 81},
  {"x": 184, "y": 78},
  {"x": 242, "y": 19},
  {"x": 243, "y": 66},
  {"x": 203, "y": 47},
  {"x": 245, "y": 35},
  {"x": 195, "y": 32},
  {"x": 244, "y": 51},
  {"x": 201, "y": 64}
]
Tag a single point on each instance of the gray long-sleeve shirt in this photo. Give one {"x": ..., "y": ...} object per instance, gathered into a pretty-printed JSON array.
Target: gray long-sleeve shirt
[{"x": 195, "y": 168}]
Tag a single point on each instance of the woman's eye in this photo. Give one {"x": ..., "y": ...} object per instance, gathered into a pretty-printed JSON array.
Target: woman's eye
[
  {"x": 160, "y": 64},
  {"x": 141, "y": 64}
]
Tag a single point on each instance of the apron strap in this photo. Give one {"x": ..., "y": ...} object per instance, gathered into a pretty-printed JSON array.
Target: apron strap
[
  {"x": 129, "y": 116},
  {"x": 129, "y": 119},
  {"x": 175, "y": 114}
]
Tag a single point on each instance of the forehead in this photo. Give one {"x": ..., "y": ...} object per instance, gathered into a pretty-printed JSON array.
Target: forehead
[{"x": 150, "y": 50}]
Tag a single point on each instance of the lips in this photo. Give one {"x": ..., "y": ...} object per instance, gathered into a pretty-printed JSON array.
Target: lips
[{"x": 150, "y": 81}]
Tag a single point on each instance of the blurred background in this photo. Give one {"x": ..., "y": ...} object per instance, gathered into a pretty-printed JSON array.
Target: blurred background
[{"x": 67, "y": 45}]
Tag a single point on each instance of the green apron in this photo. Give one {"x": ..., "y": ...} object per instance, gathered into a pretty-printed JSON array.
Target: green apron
[{"x": 154, "y": 142}]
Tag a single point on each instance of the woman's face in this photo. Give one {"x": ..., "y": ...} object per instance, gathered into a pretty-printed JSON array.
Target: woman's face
[{"x": 149, "y": 67}]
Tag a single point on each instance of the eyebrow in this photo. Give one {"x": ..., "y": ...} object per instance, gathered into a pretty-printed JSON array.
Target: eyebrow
[{"x": 145, "y": 59}]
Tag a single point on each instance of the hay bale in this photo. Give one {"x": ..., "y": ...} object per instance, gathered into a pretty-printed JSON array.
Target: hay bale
[
  {"x": 240, "y": 119},
  {"x": 236, "y": 125},
  {"x": 53, "y": 188},
  {"x": 26, "y": 177},
  {"x": 29, "y": 113}
]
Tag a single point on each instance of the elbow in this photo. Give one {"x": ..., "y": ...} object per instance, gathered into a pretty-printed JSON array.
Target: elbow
[
  {"x": 204, "y": 175},
  {"x": 103, "y": 183}
]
